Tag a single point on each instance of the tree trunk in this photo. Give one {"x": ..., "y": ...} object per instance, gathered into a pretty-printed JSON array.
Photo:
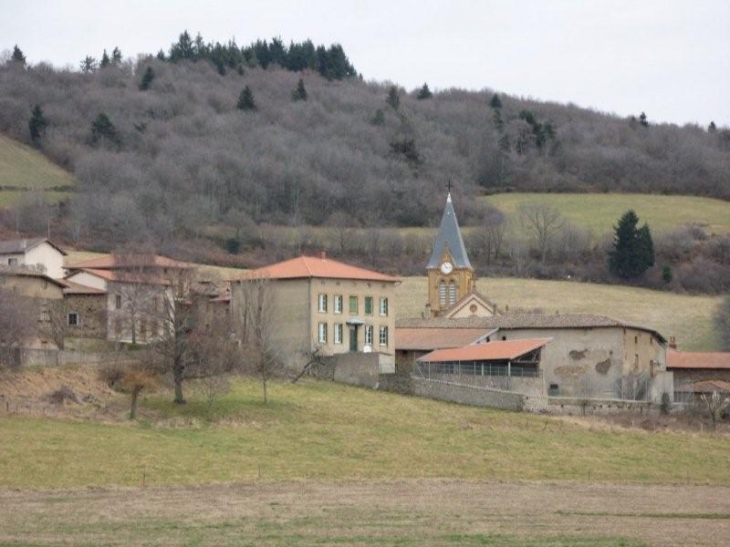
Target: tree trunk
[
  {"x": 266, "y": 397},
  {"x": 135, "y": 394},
  {"x": 177, "y": 373}
]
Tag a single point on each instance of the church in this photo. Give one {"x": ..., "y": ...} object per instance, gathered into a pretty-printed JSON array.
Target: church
[{"x": 451, "y": 278}]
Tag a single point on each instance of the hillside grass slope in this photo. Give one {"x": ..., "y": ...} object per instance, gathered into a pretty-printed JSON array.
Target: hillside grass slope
[{"x": 326, "y": 431}]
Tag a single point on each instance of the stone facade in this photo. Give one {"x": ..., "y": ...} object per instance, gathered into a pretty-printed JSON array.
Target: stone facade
[{"x": 91, "y": 312}]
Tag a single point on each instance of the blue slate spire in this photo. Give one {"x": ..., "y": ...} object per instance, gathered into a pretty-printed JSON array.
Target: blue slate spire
[{"x": 449, "y": 236}]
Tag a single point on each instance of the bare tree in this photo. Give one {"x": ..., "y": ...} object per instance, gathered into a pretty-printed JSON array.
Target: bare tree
[
  {"x": 543, "y": 223},
  {"x": 17, "y": 324},
  {"x": 715, "y": 404},
  {"x": 258, "y": 317}
]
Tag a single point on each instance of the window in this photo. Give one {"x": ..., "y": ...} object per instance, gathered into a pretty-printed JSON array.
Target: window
[
  {"x": 353, "y": 304},
  {"x": 339, "y": 329},
  {"x": 322, "y": 333},
  {"x": 45, "y": 315},
  {"x": 442, "y": 293},
  {"x": 383, "y": 306},
  {"x": 73, "y": 319},
  {"x": 12, "y": 261},
  {"x": 452, "y": 293},
  {"x": 322, "y": 303},
  {"x": 383, "y": 336},
  {"x": 368, "y": 305},
  {"x": 338, "y": 303},
  {"x": 368, "y": 335},
  {"x": 118, "y": 301}
]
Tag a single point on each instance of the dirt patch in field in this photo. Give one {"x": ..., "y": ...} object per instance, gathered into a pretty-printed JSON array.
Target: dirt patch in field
[
  {"x": 414, "y": 512},
  {"x": 652, "y": 422}
]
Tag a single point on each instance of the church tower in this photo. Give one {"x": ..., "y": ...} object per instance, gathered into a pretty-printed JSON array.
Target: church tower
[{"x": 450, "y": 274}]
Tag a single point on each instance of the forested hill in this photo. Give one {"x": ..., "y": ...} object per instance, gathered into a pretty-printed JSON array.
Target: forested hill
[{"x": 176, "y": 142}]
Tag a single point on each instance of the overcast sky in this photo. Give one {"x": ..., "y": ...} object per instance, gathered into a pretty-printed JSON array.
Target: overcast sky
[{"x": 668, "y": 58}]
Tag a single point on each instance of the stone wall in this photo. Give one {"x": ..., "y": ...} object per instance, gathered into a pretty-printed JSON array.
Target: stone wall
[
  {"x": 54, "y": 357},
  {"x": 91, "y": 310},
  {"x": 526, "y": 386},
  {"x": 358, "y": 369},
  {"x": 467, "y": 395}
]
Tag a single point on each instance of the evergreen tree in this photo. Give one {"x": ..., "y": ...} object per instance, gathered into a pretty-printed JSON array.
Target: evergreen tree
[
  {"x": 37, "y": 124},
  {"x": 17, "y": 56},
  {"x": 712, "y": 127},
  {"x": 116, "y": 56},
  {"x": 643, "y": 121},
  {"x": 495, "y": 102},
  {"x": 300, "y": 93},
  {"x": 103, "y": 130},
  {"x": 393, "y": 99},
  {"x": 105, "y": 61},
  {"x": 245, "y": 100},
  {"x": 161, "y": 55},
  {"x": 378, "y": 118},
  {"x": 633, "y": 249},
  {"x": 424, "y": 93},
  {"x": 147, "y": 78},
  {"x": 184, "y": 49},
  {"x": 88, "y": 65}
]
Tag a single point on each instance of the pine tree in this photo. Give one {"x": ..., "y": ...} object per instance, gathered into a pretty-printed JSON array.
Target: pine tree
[
  {"x": 103, "y": 130},
  {"x": 116, "y": 56},
  {"x": 300, "y": 93},
  {"x": 633, "y": 249},
  {"x": 643, "y": 121},
  {"x": 17, "y": 56},
  {"x": 712, "y": 127},
  {"x": 393, "y": 99},
  {"x": 88, "y": 65},
  {"x": 424, "y": 93},
  {"x": 37, "y": 124},
  {"x": 147, "y": 78},
  {"x": 495, "y": 102},
  {"x": 105, "y": 61},
  {"x": 245, "y": 100}
]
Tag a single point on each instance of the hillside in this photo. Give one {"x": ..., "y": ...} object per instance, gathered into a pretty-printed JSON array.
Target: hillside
[
  {"x": 181, "y": 156},
  {"x": 25, "y": 173}
]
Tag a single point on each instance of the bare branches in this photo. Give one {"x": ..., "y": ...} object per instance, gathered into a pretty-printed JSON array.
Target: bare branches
[{"x": 543, "y": 223}]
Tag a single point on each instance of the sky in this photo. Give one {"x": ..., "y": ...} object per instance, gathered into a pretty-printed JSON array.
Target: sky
[{"x": 668, "y": 58}]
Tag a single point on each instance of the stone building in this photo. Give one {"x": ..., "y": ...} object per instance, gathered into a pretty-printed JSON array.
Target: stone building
[{"x": 316, "y": 304}]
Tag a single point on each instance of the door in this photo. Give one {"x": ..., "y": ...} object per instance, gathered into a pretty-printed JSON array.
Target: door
[{"x": 353, "y": 338}]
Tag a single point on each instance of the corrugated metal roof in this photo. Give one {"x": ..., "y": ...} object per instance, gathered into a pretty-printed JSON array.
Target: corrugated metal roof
[
  {"x": 698, "y": 360},
  {"x": 449, "y": 236},
  {"x": 430, "y": 339},
  {"x": 305, "y": 267},
  {"x": 491, "y": 351},
  {"x": 524, "y": 321}
]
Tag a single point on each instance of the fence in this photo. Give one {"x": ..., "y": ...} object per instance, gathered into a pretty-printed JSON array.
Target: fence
[{"x": 430, "y": 370}]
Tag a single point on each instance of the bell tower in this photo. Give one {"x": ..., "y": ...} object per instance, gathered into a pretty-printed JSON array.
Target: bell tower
[{"x": 450, "y": 274}]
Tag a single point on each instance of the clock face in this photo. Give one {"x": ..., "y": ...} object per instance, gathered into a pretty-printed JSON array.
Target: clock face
[{"x": 446, "y": 268}]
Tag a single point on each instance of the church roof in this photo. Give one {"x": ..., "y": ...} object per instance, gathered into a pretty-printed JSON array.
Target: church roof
[{"x": 449, "y": 236}]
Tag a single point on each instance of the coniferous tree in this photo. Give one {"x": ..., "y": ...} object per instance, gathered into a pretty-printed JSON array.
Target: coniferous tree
[
  {"x": 393, "y": 99},
  {"x": 103, "y": 130},
  {"x": 17, "y": 56},
  {"x": 495, "y": 102},
  {"x": 245, "y": 100},
  {"x": 88, "y": 65},
  {"x": 37, "y": 124},
  {"x": 712, "y": 127},
  {"x": 424, "y": 93},
  {"x": 300, "y": 93},
  {"x": 116, "y": 56},
  {"x": 643, "y": 120},
  {"x": 147, "y": 78},
  {"x": 633, "y": 249},
  {"x": 105, "y": 61}
]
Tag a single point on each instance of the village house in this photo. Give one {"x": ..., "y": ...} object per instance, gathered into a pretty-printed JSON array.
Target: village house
[
  {"x": 39, "y": 253},
  {"x": 697, "y": 372},
  {"x": 320, "y": 305}
]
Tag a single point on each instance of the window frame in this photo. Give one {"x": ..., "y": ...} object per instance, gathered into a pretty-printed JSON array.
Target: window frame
[
  {"x": 337, "y": 304},
  {"x": 338, "y": 334},
  {"x": 383, "y": 306},
  {"x": 368, "y": 310},
  {"x": 369, "y": 335},
  {"x": 322, "y": 332},
  {"x": 322, "y": 302},
  {"x": 383, "y": 335},
  {"x": 76, "y": 323},
  {"x": 353, "y": 309}
]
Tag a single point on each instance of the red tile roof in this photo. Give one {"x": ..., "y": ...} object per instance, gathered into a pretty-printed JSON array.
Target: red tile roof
[
  {"x": 430, "y": 339},
  {"x": 111, "y": 262},
  {"x": 706, "y": 386},
  {"x": 491, "y": 351},
  {"x": 697, "y": 360},
  {"x": 78, "y": 288},
  {"x": 305, "y": 267}
]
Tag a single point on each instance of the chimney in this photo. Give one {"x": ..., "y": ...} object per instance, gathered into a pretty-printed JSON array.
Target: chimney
[
  {"x": 322, "y": 254},
  {"x": 672, "y": 343}
]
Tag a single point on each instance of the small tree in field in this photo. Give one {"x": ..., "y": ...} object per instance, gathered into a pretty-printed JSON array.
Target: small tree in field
[
  {"x": 245, "y": 100},
  {"x": 715, "y": 404},
  {"x": 633, "y": 248}
]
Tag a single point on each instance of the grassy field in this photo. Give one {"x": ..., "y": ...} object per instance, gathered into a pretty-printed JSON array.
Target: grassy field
[
  {"x": 689, "y": 318},
  {"x": 404, "y": 513},
  {"x": 23, "y": 167},
  {"x": 600, "y": 212},
  {"x": 326, "y": 431}
]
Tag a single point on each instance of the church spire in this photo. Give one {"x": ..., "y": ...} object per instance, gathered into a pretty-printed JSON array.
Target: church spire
[{"x": 449, "y": 237}]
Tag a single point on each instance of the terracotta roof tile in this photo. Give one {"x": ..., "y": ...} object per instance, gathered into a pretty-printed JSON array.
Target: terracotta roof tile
[
  {"x": 128, "y": 277},
  {"x": 78, "y": 288},
  {"x": 491, "y": 351},
  {"x": 305, "y": 267},
  {"x": 706, "y": 386},
  {"x": 697, "y": 360},
  {"x": 430, "y": 339}
]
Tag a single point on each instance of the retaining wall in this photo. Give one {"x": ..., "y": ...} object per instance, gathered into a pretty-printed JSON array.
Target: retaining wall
[{"x": 55, "y": 358}]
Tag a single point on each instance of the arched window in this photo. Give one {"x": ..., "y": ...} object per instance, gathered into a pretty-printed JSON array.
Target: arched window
[
  {"x": 442, "y": 293},
  {"x": 452, "y": 293}
]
